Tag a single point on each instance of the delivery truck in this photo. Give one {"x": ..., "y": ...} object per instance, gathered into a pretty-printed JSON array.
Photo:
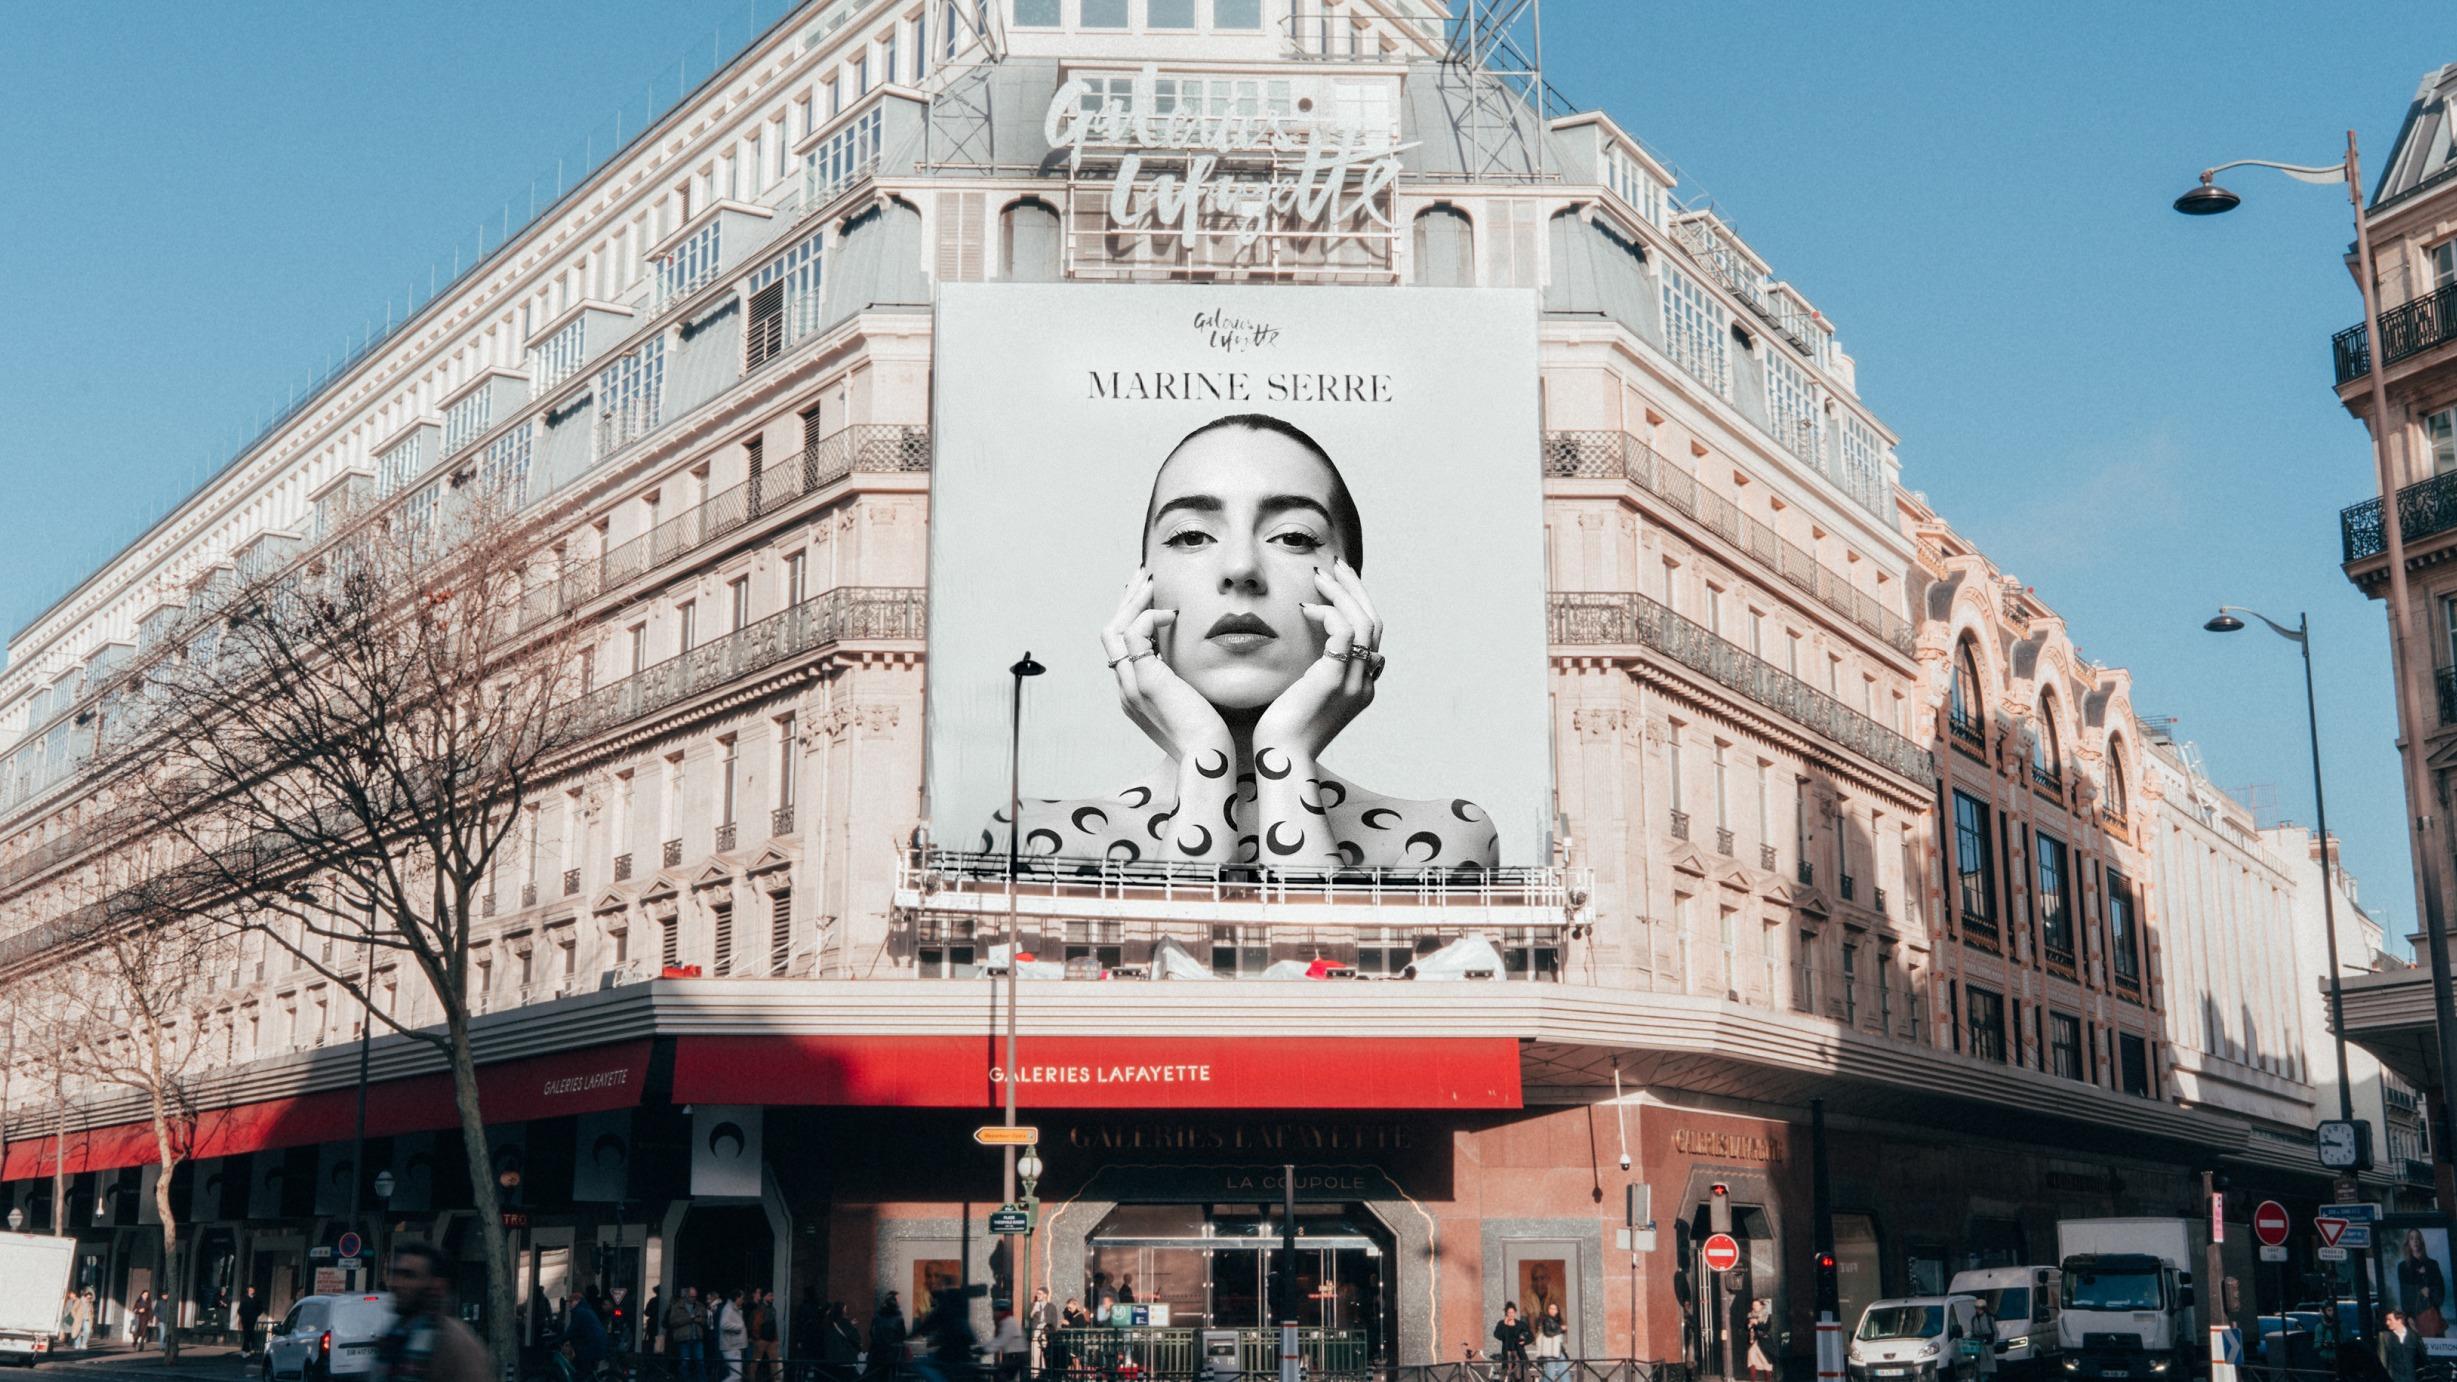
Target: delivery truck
[
  {"x": 2129, "y": 1307},
  {"x": 34, "y": 1271}
]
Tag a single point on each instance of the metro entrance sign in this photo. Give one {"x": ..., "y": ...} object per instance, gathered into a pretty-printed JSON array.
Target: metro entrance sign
[
  {"x": 1721, "y": 1253},
  {"x": 2270, "y": 1224}
]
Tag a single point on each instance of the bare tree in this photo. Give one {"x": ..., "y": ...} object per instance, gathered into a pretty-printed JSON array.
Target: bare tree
[
  {"x": 338, "y": 755},
  {"x": 128, "y": 1007}
]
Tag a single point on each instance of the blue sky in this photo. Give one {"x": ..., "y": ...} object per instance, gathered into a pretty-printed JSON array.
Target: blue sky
[{"x": 2129, "y": 410}]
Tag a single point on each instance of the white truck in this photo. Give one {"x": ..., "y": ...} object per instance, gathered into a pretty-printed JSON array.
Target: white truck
[
  {"x": 2128, "y": 1308},
  {"x": 33, "y": 1281}
]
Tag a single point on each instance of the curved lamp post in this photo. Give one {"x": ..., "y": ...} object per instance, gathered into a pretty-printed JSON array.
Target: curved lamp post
[{"x": 2424, "y": 839}]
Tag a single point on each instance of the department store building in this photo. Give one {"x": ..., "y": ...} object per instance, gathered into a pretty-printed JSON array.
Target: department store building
[{"x": 1808, "y": 753}]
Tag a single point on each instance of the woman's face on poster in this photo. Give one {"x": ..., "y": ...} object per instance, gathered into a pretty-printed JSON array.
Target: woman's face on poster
[{"x": 1240, "y": 520}]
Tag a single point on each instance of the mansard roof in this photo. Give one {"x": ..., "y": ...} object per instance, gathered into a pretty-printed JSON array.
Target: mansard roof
[{"x": 2426, "y": 148}]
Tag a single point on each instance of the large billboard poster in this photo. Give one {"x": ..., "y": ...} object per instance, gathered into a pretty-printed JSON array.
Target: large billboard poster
[{"x": 1281, "y": 552}]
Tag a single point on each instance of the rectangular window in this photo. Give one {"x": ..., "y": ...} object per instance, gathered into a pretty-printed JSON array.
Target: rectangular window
[
  {"x": 2123, "y": 946},
  {"x": 2065, "y": 1046},
  {"x": 728, "y": 776},
  {"x": 464, "y": 420},
  {"x": 780, "y": 932},
  {"x": 557, "y": 358},
  {"x": 1851, "y": 984},
  {"x": 1237, "y": 14},
  {"x": 842, "y": 157},
  {"x": 1986, "y": 1013},
  {"x": 1038, "y": 14},
  {"x": 1791, "y": 406},
  {"x": 1697, "y": 331},
  {"x": 797, "y": 578},
  {"x": 722, "y": 914},
  {"x": 2133, "y": 1064},
  {"x": 686, "y": 624},
  {"x": 2440, "y": 438},
  {"x": 639, "y": 646},
  {"x": 784, "y": 301},
  {"x": 738, "y": 603},
  {"x": 889, "y": 71},
  {"x": 1974, "y": 863},
  {"x": 691, "y": 265},
  {"x": 1863, "y": 476},
  {"x": 395, "y": 469},
  {"x": 1104, "y": 14},
  {"x": 503, "y": 473},
  {"x": 861, "y": 74},
  {"x": 2055, "y": 907},
  {"x": 1723, "y": 790},
  {"x": 1168, "y": 14},
  {"x": 2444, "y": 264},
  {"x": 784, "y": 760},
  {"x": 631, "y": 396}
]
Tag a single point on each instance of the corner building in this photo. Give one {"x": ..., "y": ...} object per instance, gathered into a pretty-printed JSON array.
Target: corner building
[{"x": 737, "y": 1011}]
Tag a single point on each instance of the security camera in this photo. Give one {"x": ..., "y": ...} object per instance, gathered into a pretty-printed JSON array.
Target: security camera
[{"x": 1625, "y": 1161}]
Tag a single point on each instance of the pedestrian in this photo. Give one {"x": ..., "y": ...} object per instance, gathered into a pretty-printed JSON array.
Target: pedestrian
[
  {"x": 1007, "y": 1347},
  {"x": 1040, "y": 1330},
  {"x": 764, "y": 1338},
  {"x": 686, "y": 1329},
  {"x": 1761, "y": 1339},
  {"x": 425, "y": 1343},
  {"x": 1983, "y": 1339},
  {"x": 732, "y": 1329},
  {"x": 586, "y": 1333},
  {"x": 1551, "y": 1349},
  {"x": 840, "y": 1344},
  {"x": 887, "y": 1335},
  {"x": 82, "y": 1314},
  {"x": 2401, "y": 1348},
  {"x": 807, "y": 1338},
  {"x": 140, "y": 1318},
  {"x": 251, "y": 1309},
  {"x": 652, "y": 1319},
  {"x": 1513, "y": 1336}
]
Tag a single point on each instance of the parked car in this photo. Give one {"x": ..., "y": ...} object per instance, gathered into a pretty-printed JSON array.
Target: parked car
[
  {"x": 2025, "y": 1301},
  {"x": 1914, "y": 1339},
  {"x": 326, "y": 1337}
]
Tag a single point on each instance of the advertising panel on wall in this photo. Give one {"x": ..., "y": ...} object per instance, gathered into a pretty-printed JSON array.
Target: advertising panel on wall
[{"x": 1314, "y": 638}]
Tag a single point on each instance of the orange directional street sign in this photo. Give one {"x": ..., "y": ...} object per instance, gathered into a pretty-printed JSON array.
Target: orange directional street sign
[{"x": 1000, "y": 1135}]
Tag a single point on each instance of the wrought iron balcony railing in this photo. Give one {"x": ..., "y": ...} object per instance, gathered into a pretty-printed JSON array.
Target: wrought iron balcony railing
[
  {"x": 849, "y": 612},
  {"x": 1608, "y": 618},
  {"x": 1680, "y": 825},
  {"x": 1597, "y": 455},
  {"x": 622, "y": 868},
  {"x": 2424, "y": 508},
  {"x": 671, "y": 853},
  {"x": 780, "y": 821},
  {"x": 2408, "y": 329}
]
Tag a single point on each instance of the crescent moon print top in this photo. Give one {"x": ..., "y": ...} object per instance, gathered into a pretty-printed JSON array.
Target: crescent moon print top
[{"x": 1140, "y": 823}]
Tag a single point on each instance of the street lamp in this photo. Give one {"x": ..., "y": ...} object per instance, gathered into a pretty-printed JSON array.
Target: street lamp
[
  {"x": 1025, "y": 667},
  {"x": 2208, "y": 199}
]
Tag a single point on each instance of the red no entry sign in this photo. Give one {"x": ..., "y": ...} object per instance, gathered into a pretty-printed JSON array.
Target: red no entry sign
[
  {"x": 2269, "y": 1223},
  {"x": 1721, "y": 1253}
]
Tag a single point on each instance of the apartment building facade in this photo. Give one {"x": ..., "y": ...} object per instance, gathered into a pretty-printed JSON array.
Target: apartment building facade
[{"x": 1839, "y": 815}]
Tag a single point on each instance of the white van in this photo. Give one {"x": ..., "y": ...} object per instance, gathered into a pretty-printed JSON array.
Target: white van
[
  {"x": 328, "y": 1336},
  {"x": 1912, "y": 1339},
  {"x": 2024, "y": 1302}
]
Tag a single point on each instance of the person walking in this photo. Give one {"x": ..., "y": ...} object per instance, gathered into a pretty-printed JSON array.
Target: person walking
[
  {"x": 732, "y": 1330},
  {"x": 251, "y": 1309},
  {"x": 586, "y": 1333},
  {"x": 81, "y": 1313},
  {"x": 887, "y": 1335},
  {"x": 686, "y": 1331},
  {"x": 652, "y": 1319},
  {"x": 808, "y": 1337},
  {"x": 1551, "y": 1349},
  {"x": 425, "y": 1343},
  {"x": 840, "y": 1344},
  {"x": 1513, "y": 1337},
  {"x": 764, "y": 1335},
  {"x": 2401, "y": 1347}
]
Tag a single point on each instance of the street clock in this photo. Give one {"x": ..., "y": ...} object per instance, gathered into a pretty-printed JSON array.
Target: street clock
[{"x": 2344, "y": 1145}]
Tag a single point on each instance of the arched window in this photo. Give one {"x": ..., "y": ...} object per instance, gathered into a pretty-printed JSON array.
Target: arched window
[
  {"x": 1028, "y": 242},
  {"x": 1964, "y": 717},
  {"x": 2047, "y": 763},
  {"x": 2116, "y": 805},
  {"x": 1445, "y": 248}
]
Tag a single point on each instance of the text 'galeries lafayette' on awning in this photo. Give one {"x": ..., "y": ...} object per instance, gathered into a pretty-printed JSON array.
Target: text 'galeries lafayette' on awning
[
  {"x": 1093, "y": 1072},
  {"x": 591, "y": 1080}
]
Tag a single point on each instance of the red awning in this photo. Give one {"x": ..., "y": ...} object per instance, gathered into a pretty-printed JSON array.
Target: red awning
[
  {"x": 1102, "y": 1072},
  {"x": 585, "y": 1081}
]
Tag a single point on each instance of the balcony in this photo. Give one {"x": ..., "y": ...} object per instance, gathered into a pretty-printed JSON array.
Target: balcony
[
  {"x": 571, "y": 882},
  {"x": 846, "y": 613},
  {"x": 780, "y": 822},
  {"x": 2409, "y": 329},
  {"x": 1680, "y": 825},
  {"x": 1602, "y": 455},
  {"x": 725, "y": 838},
  {"x": 866, "y": 448},
  {"x": 1723, "y": 842},
  {"x": 1589, "y": 619},
  {"x": 2424, "y": 508},
  {"x": 622, "y": 868},
  {"x": 1766, "y": 857}
]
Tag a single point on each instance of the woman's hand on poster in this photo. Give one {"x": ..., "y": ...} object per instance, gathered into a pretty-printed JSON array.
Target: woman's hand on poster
[
  {"x": 1306, "y": 717},
  {"x": 1156, "y": 698}
]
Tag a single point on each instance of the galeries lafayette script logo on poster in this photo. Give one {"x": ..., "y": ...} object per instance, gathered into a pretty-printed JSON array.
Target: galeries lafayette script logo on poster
[
  {"x": 1118, "y": 1074},
  {"x": 1341, "y": 171}
]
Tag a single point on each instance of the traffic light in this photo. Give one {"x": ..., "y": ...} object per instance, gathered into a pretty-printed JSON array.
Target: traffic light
[
  {"x": 1829, "y": 1286},
  {"x": 1719, "y": 1207}
]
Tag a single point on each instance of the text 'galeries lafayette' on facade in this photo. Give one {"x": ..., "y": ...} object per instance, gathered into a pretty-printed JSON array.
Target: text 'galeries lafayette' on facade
[{"x": 1455, "y": 1146}]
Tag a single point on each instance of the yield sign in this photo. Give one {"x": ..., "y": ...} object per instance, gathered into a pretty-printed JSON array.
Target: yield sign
[
  {"x": 2269, "y": 1223},
  {"x": 2329, "y": 1229},
  {"x": 1721, "y": 1253}
]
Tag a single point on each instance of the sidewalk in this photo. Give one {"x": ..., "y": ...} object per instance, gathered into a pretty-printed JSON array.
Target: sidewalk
[{"x": 201, "y": 1358}]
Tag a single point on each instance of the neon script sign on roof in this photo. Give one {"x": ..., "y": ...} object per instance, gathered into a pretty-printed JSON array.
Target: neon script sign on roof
[{"x": 1326, "y": 177}]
